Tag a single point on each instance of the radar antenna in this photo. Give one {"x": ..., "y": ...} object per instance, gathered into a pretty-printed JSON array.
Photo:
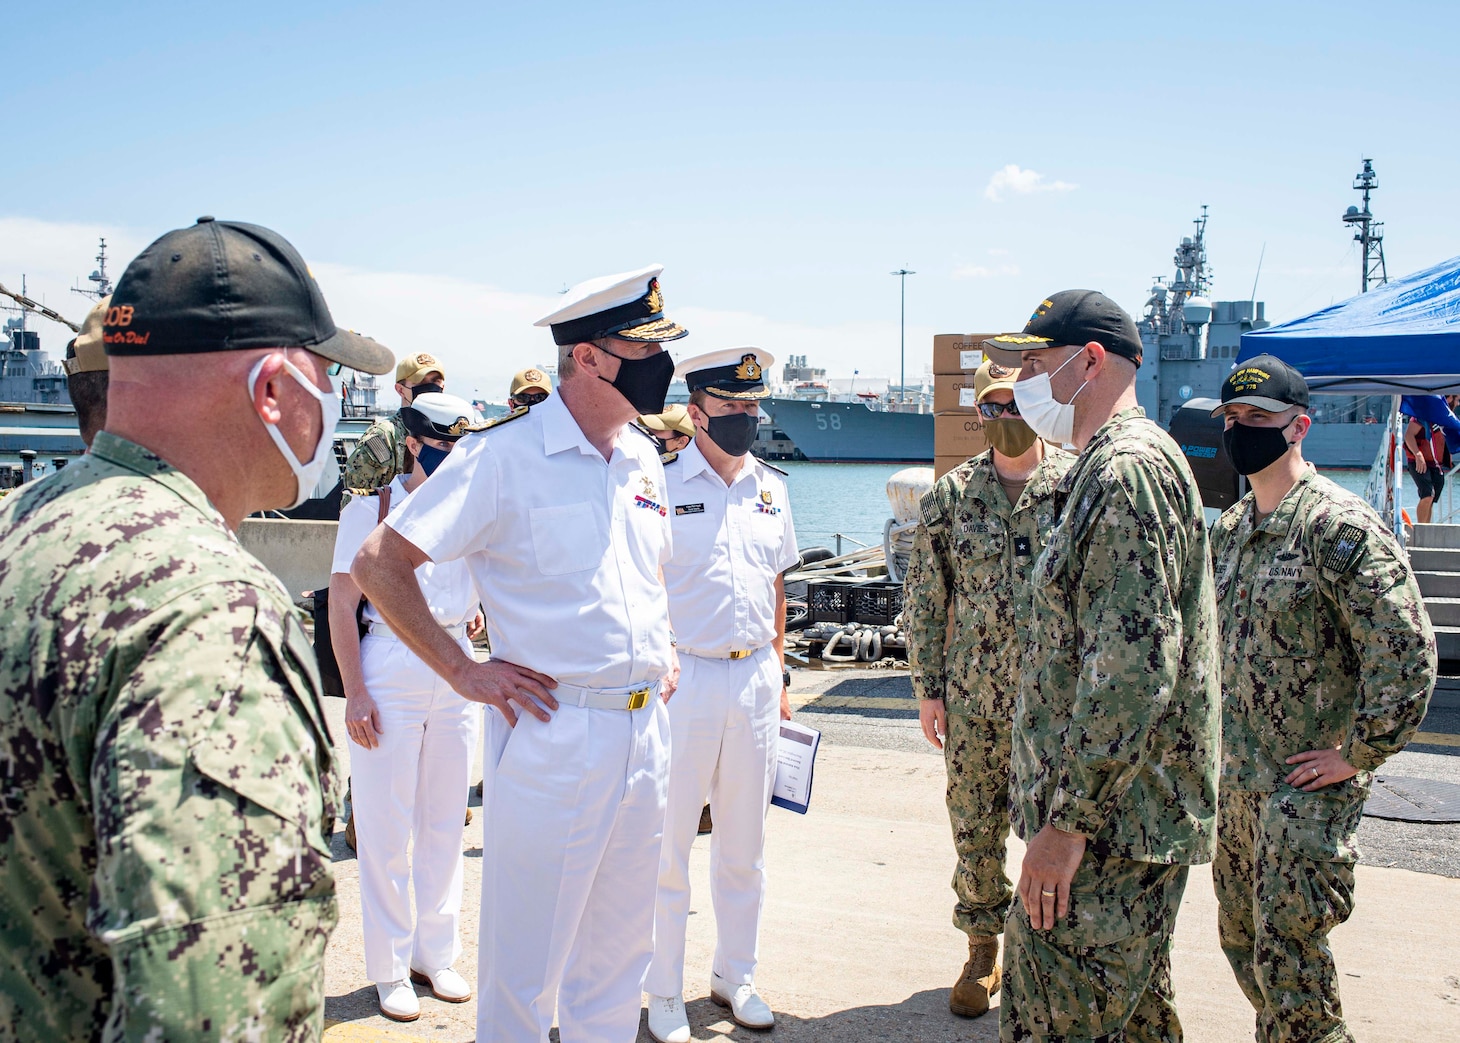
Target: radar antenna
[
  {"x": 1368, "y": 232},
  {"x": 99, "y": 277}
]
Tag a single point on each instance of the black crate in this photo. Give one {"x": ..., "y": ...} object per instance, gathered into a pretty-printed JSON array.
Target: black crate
[
  {"x": 876, "y": 602},
  {"x": 873, "y": 601},
  {"x": 829, "y": 602}
]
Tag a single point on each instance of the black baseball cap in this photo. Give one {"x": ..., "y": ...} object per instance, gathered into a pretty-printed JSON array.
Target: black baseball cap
[
  {"x": 1264, "y": 381},
  {"x": 227, "y": 286},
  {"x": 1071, "y": 317}
]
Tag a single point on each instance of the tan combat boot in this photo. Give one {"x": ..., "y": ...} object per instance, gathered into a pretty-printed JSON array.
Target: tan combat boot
[{"x": 979, "y": 981}]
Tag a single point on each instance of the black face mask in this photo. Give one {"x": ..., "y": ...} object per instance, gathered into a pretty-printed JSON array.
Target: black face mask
[
  {"x": 424, "y": 389},
  {"x": 1253, "y": 449},
  {"x": 644, "y": 382},
  {"x": 733, "y": 433}
]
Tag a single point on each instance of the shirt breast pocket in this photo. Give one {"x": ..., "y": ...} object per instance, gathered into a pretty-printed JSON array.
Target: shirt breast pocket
[
  {"x": 1289, "y": 610},
  {"x": 567, "y": 538}
]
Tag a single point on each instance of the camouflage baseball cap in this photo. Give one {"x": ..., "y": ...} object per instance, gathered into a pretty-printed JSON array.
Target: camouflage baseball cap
[{"x": 228, "y": 286}]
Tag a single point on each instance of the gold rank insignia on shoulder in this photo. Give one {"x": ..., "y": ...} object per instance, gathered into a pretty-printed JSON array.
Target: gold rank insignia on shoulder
[
  {"x": 496, "y": 421},
  {"x": 668, "y": 458},
  {"x": 1342, "y": 554},
  {"x": 749, "y": 368}
]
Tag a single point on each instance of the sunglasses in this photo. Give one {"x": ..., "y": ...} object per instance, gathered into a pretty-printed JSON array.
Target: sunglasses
[{"x": 994, "y": 410}]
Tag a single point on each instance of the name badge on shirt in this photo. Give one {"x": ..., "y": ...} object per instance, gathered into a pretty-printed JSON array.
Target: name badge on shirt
[
  {"x": 1293, "y": 573},
  {"x": 1022, "y": 546},
  {"x": 689, "y": 508}
]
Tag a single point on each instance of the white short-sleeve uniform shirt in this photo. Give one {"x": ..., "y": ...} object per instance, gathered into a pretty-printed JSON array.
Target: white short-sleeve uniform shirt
[
  {"x": 565, "y": 547},
  {"x": 730, "y": 543},
  {"x": 448, "y": 587}
]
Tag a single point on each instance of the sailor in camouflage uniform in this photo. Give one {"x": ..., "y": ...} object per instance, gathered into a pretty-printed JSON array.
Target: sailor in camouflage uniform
[
  {"x": 381, "y": 454},
  {"x": 168, "y": 794},
  {"x": 1328, "y": 661},
  {"x": 1116, "y": 729},
  {"x": 983, "y": 523}
]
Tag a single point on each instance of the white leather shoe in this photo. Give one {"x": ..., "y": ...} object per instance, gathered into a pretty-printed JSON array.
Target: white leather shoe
[
  {"x": 668, "y": 1023},
  {"x": 398, "y": 1000},
  {"x": 746, "y": 1006},
  {"x": 445, "y": 984}
]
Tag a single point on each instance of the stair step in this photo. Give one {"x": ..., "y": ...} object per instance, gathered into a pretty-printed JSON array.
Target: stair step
[
  {"x": 1439, "y": 584},
  {"x": 1444, "y": 612},
  {"x": 1436, "y": 536},
  {"x": 1434, "y": 559},
  {"x": 1447, "y": 640}
]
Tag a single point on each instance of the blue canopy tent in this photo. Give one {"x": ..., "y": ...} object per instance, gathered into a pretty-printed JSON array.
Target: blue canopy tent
[{"x": 1402, "y": 338}]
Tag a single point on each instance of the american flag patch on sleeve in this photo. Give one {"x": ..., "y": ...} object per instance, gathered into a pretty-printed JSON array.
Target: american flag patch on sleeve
[{"x": 1343, "y": 551}]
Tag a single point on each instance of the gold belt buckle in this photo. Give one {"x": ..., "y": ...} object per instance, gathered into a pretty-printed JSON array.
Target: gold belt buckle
[
  {"x": 740, "y": 654},
  {"x": 638, "y": 698}
]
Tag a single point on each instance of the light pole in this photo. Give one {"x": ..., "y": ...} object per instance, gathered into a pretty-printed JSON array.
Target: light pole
[{"x": 902, "y": 274}]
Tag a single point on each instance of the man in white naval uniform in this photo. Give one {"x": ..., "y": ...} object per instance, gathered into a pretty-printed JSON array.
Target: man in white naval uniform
[
  {"x": 733, "y": 539},
  {"x": 561, "y": 515}
]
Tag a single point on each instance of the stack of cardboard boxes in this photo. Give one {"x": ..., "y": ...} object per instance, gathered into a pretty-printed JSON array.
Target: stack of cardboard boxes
[{"x": 957, "y": 427}]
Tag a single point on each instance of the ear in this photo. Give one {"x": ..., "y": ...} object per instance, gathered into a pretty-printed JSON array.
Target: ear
[
  {"x": 697, "y": 416},
  {"x": 1301, "y": 424},
  {"x": 402, "y": 390},
  {"x": 266, "y": 388},
  {"x": 586, "y": 355},
  {"x": 1095, "y": 354}
]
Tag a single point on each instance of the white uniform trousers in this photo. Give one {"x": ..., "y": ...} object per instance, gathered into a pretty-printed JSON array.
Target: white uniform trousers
[
  {"x": 413, "y": 785},
  {"x": 725, "y": 723},
  {"x": 575, "y": 815}
]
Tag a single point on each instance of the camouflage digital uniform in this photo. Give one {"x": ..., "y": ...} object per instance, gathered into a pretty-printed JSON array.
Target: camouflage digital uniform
[
  {"x": 1325, "y": 645},
  {"x": 1115, "y": 736},
  {"x": 378, "y": 457},
  {"x": 971, "y": 559},
  {"x": 168, "y": 794}
]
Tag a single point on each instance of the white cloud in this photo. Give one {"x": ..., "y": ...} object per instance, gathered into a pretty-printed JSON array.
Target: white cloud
[
  {"x": 983, "y": 271},
  {"x": 1015, "y": 180}
]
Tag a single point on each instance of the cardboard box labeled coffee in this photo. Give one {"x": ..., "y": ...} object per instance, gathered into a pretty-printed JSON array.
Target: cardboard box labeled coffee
[
  {"x": 958, "y": 434},
  {"x": 958, "y": 352},
  {"x": 953, "y": 393}
]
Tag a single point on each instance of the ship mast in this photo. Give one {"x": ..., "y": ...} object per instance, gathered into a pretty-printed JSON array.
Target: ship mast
[
  {"x": 99, "y": 277},
  {"x": 1368, "y": 232}
]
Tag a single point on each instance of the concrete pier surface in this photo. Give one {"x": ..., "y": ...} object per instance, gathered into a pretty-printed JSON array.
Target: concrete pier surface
[{"x": 858, "y": 942}]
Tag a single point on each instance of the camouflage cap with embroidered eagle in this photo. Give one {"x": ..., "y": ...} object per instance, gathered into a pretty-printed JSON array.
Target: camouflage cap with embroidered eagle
[
  {"x": 629, "y": 306},
  {"x": 730, "y": 373}
]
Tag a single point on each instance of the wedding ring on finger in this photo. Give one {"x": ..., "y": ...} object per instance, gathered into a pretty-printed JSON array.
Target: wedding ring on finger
[{"x": 1047, "y": 894}]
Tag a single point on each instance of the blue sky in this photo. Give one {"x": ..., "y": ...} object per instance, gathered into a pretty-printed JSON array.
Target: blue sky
[{"x": 446, "y": 168}]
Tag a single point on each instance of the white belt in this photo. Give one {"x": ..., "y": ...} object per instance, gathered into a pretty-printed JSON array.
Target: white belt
[
  {"x": 379, "y": 628},
  {"x": 633, "y": 697},
  {"x": 702, "y": 653}
]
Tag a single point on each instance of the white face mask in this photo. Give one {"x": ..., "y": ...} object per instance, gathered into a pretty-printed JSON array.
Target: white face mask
[
  {"x": 307, "y": 475},
  {"x": 1051, "y": 420}
]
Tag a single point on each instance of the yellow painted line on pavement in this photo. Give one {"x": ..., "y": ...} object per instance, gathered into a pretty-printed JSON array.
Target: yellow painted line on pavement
[
  {"x": 346, "y": 1032},
  {"x": 1436, "y": 739}
]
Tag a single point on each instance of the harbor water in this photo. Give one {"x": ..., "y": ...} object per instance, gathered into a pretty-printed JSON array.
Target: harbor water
[{"x": 851, "y": 500}]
